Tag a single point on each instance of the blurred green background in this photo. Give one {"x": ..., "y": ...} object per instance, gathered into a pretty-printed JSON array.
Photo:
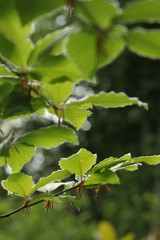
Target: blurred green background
[{"x": 133, "y": 206}]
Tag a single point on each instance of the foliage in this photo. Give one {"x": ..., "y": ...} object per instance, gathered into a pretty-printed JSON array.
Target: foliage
[{"x": 40, "y": 75}]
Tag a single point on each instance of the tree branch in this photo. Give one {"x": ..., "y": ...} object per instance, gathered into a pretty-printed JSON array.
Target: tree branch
[{"x": 27, "y": 206}]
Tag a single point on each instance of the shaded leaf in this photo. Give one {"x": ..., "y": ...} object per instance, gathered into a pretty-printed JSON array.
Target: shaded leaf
[
  {"x": 79, "y": 163},
  {"x": 39, "y": 7},
  {"x": 19, "y": 184},
  {"x": 60, "y": 67},
  {"x": 113, "y": 45},
  {"x": 81, "y": 49}
]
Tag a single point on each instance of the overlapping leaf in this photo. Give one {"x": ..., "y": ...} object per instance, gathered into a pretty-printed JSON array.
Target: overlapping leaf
[
  {"x": 98, "y": 12},
  {"x": 54, "y": 176}
]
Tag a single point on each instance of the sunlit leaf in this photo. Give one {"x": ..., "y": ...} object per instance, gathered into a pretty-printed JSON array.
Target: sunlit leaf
[
  {"x": 144, "y": 42},
  {"x": 102, "y": 178},
  {"x": 141, "y": 11},
  {"x": 77, "y": 114},
  {"x": 19, "y": 155},
  {"x": 19, "y": 184},
  {"x": 114, "y": 100},
  {"x": 50, "y": 137},
  {"x": 151, "y": 160},
  {"x": 79, "y": 163},
  {"x": 58, "y": 92}
]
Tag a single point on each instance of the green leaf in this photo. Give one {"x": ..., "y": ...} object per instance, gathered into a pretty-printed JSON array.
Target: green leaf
[
  {"x": 31, "y": 10},
  {"x": 114, "y": 100},
  {"x": 50, "y": 137},
  {"x": 5, "y": 73},
  {"x": 81, "y": 50},
  {"x": 144, "y": 42},
  {"x": 13, "y": 37},
  {"x": 19, "y": 155},
  {"x": 104, "y": 164},
  {"x": 77, "y": 114},
  {"x": 52, "y": 44},
  {"x": 102, "y": 178},
  {"x": 58, "y": 67},
  {"x": 130, "y": 168},
  {"x": 79, "y": 163},
  {"x": 141, "y": 11},
  {"x": 58, "y": 92},
  {"x": 6, "y": 88},
  {"x": 98, "y": 12},
  {"x": 113, "y": 45},
  {"x": 52, "y": 186},
  {"x": 151, "y": 160},
  {"x": 19, "y": 184},
  {"x": 54, "y": 176}
]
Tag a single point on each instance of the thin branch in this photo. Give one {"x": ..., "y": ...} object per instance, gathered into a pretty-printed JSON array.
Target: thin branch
[{"x": 26, "y": 206}]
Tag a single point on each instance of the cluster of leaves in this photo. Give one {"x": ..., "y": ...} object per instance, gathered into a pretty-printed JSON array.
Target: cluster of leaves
[{"x": 36, "y": 75}]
